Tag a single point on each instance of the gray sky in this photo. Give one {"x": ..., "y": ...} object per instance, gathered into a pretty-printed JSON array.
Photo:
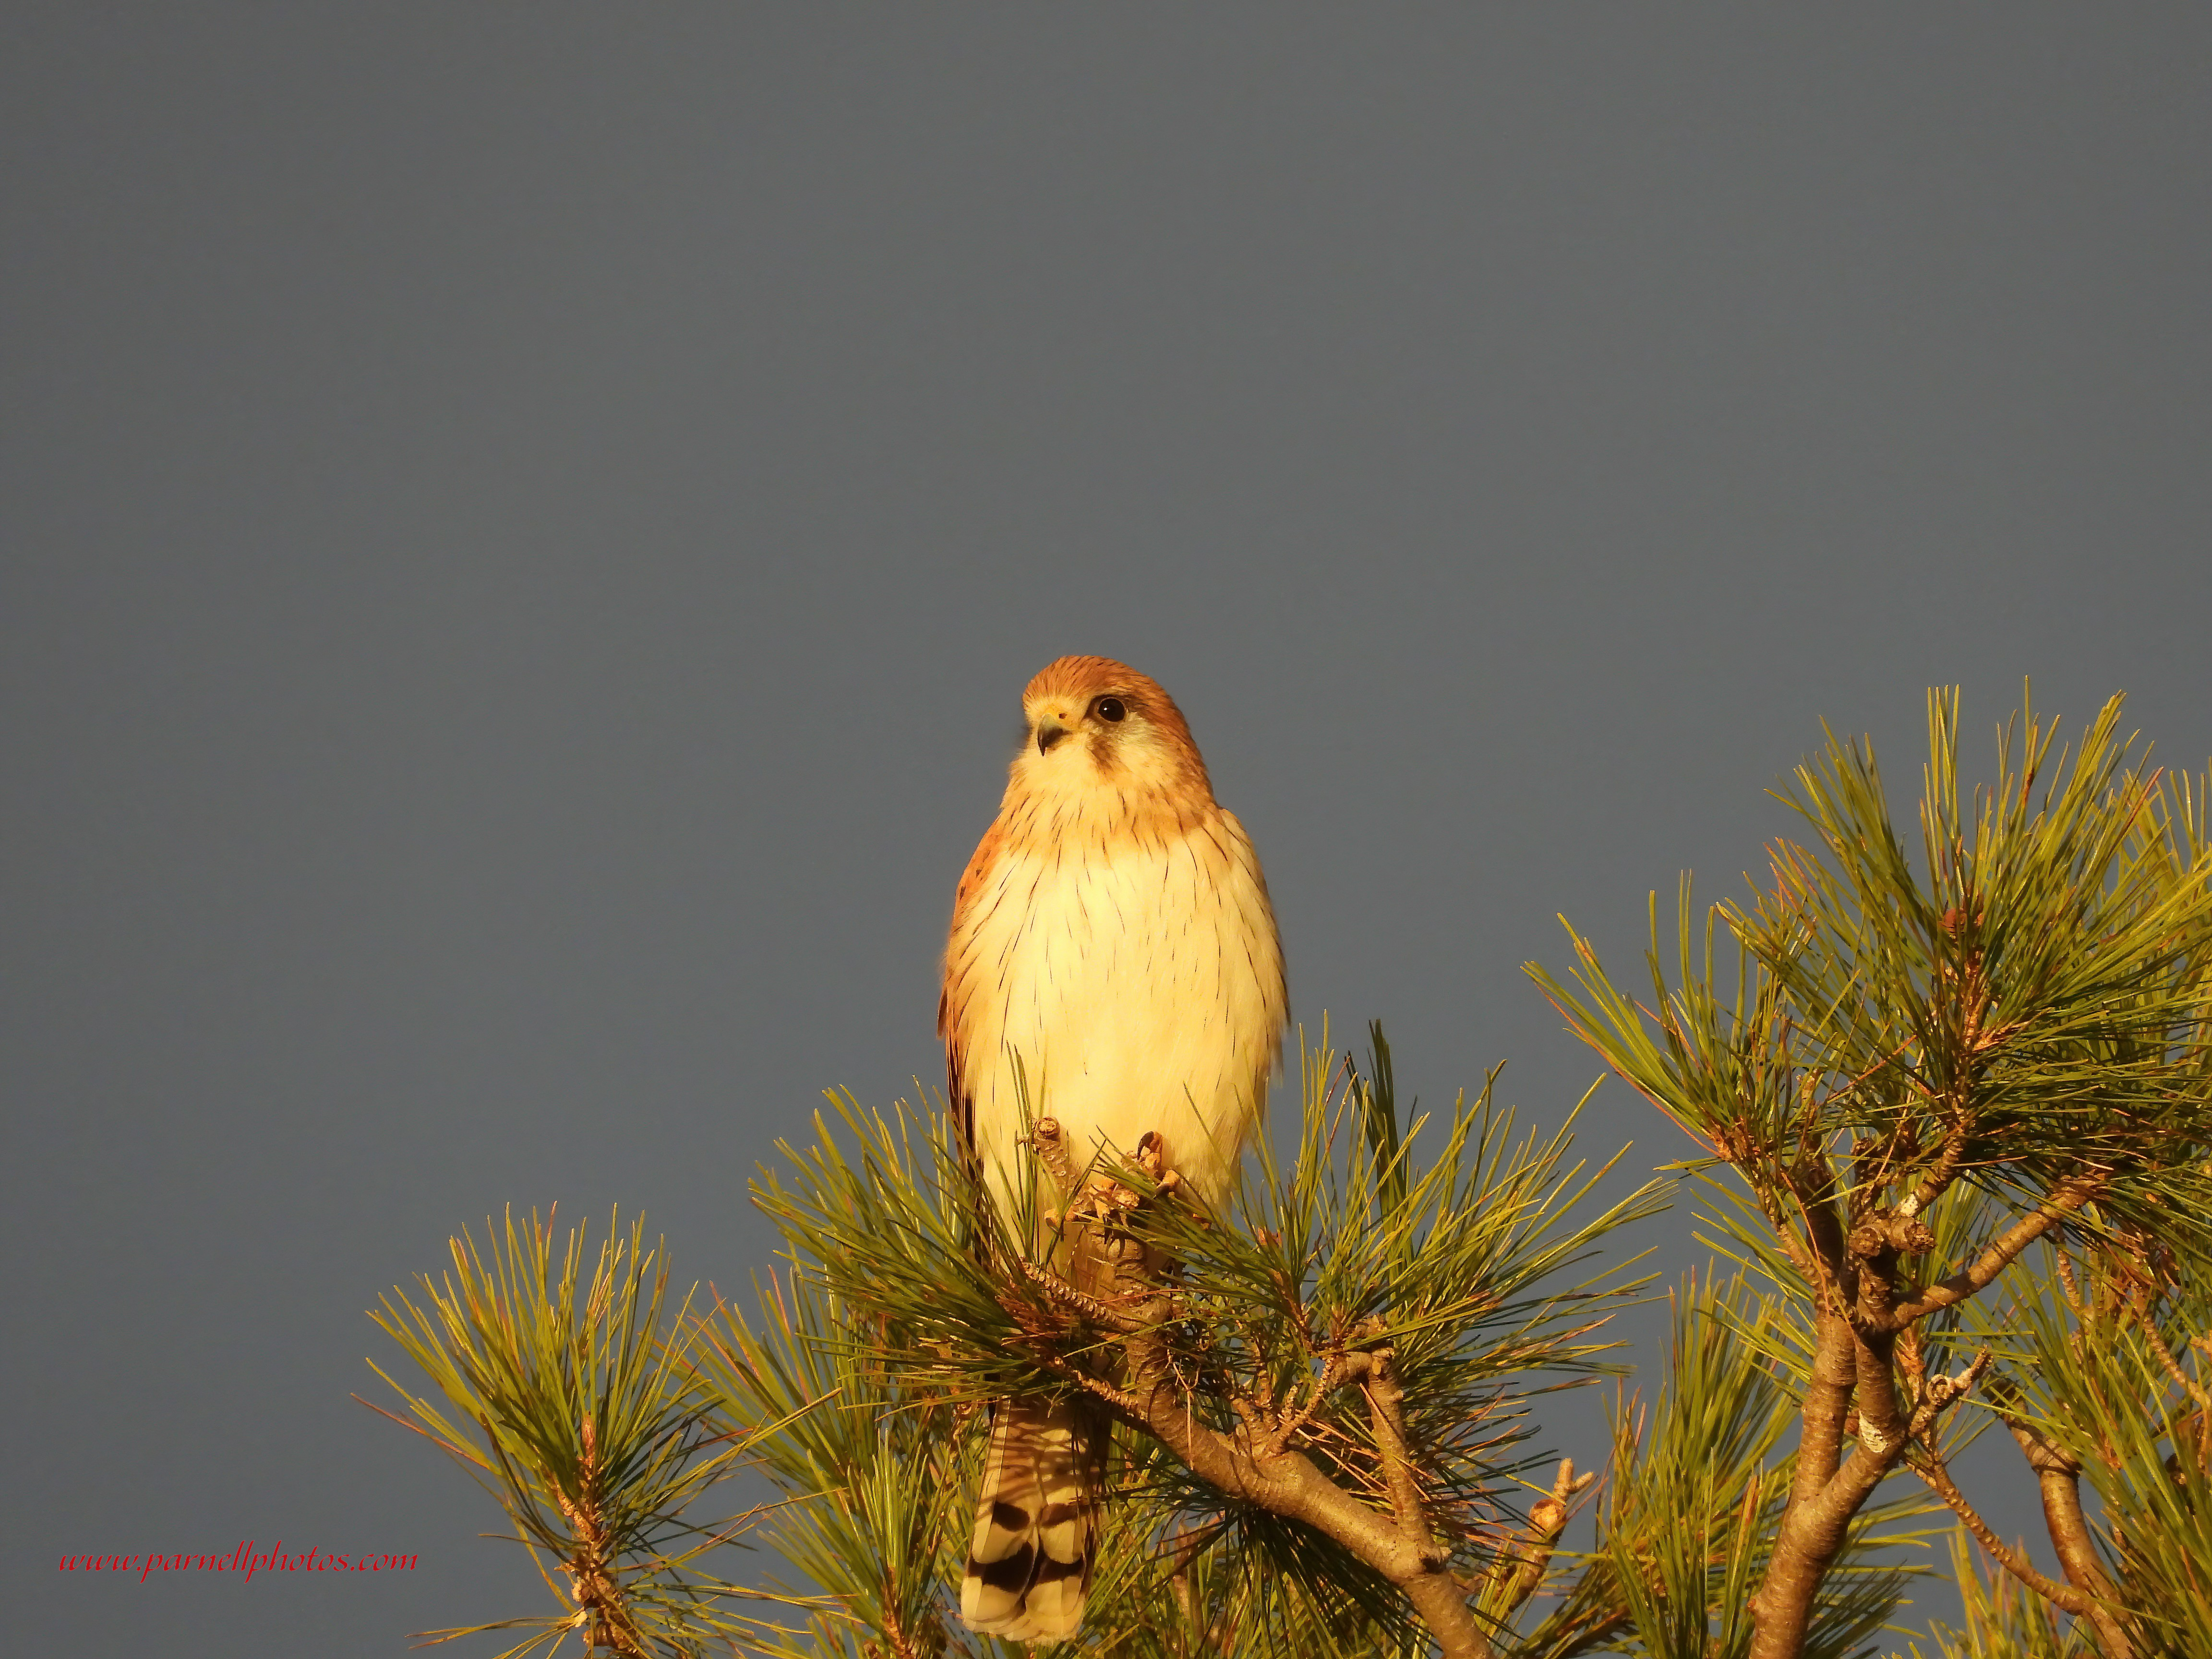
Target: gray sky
[{"x": 525, "y": 529}]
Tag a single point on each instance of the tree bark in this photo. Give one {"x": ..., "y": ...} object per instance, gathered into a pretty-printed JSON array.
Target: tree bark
[
  {"x": 1862, "y": 1312},
  {"x": 2058, "y": 1478},
  {"x": 1247, "y": 1464}
]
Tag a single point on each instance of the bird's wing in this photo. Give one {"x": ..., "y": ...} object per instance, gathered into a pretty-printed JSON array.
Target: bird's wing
[{"x": 961, "y": 982}]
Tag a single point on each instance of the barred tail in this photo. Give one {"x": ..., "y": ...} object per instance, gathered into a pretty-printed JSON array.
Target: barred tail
[{"x": 1037, "y": 1522}]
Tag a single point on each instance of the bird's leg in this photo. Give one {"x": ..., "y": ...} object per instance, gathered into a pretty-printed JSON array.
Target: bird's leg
[
  {"x": 1051, "y": 1149},
  {"x": 1089, "y": 1205},
  {"x": 1108, "y": 1212},
  {"x": 1052, "y": 1152},
  {"x": 1096, "y": 1225}
]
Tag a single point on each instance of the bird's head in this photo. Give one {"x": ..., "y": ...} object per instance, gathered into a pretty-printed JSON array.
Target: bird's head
[{"x": 1091, "y": 723}]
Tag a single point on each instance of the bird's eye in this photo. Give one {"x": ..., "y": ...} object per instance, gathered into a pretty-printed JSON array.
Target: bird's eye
[{"x": 1110, "y": 708}]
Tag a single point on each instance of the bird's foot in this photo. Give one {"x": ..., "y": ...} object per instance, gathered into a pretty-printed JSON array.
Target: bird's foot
[
  {"x": 1096, "y": 1223},
  {"x": 1152, "y": 1159},
  {"x": 1109, "y": 1201}
]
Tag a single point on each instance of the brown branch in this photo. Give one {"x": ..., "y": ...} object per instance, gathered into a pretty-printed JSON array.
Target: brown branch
[
  {"x": 1793, "y": 1248},
  {"x": 2058, "y": 1479},
  {"x": 1937, "y": 1396},
  {"x": 1243, "y": 1463},
  {"x": 1941, "y": 1174},
  {"x": 1520, "y": 1569},
  {"x": 1828, "y": 1405},
  {"x": 1077, "y": 1302},
  {"x": 1385, "y": 1406},
  {"x": 1929, "y": 1466},
  {"x": 1253, "y": 1462},
  {"x": 602, "y": 1608},
  {"x": 1813, "y": 1530},
  {"x": 2187, "y": 1383},
  {"x": 2065, "y": 1199},
  {"x": 1336, "y": 1369},
  {"x": 1829, "y": 1490},
  {"x": 1814, "y": 1193},
  {"x": 1882, "y": 1424},
  {"x": 1119, "y": 1401},
  {"x": 2067, "y": 1285},
  {"x": 1883, "y": 1427},
  {"x": 902, "y": 1645}
]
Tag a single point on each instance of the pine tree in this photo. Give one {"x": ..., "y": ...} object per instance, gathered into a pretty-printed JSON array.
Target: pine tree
[
  {"x": 1957, "y": 1121},
  {"x": 1959, "y": 1118}
]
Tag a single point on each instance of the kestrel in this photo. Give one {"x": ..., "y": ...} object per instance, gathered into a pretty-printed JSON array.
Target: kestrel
[{"x": 1112, "y": 936}]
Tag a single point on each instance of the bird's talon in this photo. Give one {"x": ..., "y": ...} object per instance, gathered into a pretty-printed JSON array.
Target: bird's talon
[
  {"x": 1151, "y": 1154},
  {"x": 1152, "y": 1159}
]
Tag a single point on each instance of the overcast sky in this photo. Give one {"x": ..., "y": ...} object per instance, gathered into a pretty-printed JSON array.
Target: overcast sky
[{"x": 524, "y": 528}]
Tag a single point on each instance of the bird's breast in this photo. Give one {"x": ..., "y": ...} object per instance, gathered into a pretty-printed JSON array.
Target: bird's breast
[{"x": 1139, "y": 982}]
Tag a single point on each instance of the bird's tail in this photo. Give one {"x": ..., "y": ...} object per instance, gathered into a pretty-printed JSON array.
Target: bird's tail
[{"x": 1037, "y": 1522}]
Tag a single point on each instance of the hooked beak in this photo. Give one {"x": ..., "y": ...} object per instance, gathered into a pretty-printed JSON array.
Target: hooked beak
[{"x": 1049, "y": 732}]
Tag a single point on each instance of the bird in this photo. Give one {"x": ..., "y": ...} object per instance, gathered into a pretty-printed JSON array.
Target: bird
[{"x": 1114, "y": 953}]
